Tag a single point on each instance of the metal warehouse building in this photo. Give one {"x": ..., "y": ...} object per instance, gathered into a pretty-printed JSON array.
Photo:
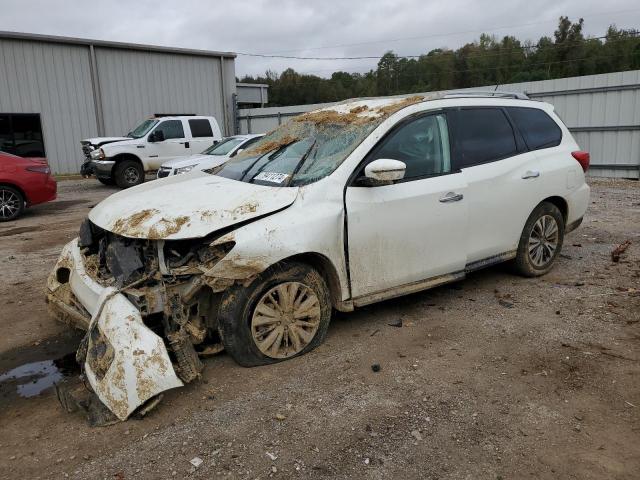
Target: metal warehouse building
[{"x": 55, "y": 91}]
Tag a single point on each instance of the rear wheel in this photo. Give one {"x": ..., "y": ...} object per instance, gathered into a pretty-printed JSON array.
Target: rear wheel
[
  {"x": 11, "y": 203},
  {"x": 283, "y": 313},
  {"x": 541, "y": 241},
  {"x": 128, "y": 173}
]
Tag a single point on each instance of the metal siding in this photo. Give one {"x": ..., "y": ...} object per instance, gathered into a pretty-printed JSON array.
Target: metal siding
[
  {"x": 137, "y": 84},
  {"x": 54, "y": 81}
]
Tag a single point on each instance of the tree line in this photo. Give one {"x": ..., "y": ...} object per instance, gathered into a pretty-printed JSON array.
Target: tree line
[{"x": 487, "y": 61}]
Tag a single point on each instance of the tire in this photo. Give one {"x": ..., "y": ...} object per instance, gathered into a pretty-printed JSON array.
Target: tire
[
  {"x": 535, "y": 258},
  {"x": 128, "y": 173},
  {"x": 240, "y": 326},
  {"x": 106, "y": 181},
  {"x": 11, "y": 203}
]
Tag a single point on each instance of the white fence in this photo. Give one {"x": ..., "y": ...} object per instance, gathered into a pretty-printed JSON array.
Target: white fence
[{"x": 602, "y": 112}]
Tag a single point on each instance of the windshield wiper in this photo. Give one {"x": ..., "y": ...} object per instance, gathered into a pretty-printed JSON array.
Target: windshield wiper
[{"x": 301, "y": 162}]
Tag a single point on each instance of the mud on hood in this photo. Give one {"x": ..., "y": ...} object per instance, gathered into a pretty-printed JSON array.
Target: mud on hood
[{"x": 185, "y": 206}]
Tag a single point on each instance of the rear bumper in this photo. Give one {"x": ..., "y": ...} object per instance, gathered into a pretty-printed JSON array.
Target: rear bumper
[
  {"x": 44, "y": 192},
  {"x": 126, "y": 363},
  {"x": 578, "y": 202}
]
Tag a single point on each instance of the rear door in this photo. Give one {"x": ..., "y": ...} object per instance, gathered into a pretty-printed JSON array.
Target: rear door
[
  {"x": 413, "y": 229},
  {"x": 201, "y": 134},
  {"x": 502, "y": 176}
]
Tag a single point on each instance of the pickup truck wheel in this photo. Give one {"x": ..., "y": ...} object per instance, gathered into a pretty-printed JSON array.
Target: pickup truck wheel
[
  {"x": 541, "y": 241},
  {"x": 283, "y": 313},
  {"x": 11, "y": 203},
  {"x": 106, "y": 181},
  {"x": 128, "y": 173}
]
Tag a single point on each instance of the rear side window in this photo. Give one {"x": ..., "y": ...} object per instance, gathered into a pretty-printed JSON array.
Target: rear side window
[
  {"x": 481, "y": 135},
  {"x": 171, "y": 129},
  {"x": 200, "y": 128},
  {"x": 538, "y": 129}
]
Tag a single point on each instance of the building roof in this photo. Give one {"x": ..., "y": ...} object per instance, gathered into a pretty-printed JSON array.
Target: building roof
[{"x": 34, "y": 37}]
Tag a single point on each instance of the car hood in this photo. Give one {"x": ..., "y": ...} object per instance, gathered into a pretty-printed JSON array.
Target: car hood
[
  {"x": 103, "y": 140},
  {"x": 187, "y": 206},
  {"x": 193, "y": 160}
]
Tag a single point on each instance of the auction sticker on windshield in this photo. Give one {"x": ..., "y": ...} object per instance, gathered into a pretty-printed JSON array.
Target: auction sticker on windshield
[{"x": 272, "y": 177}]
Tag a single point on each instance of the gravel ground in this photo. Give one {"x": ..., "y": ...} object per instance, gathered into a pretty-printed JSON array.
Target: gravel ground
[{"x": 493, "y": 377}]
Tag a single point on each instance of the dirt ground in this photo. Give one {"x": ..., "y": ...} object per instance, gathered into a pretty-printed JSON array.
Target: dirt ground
[{"x": 495, "y": 377}]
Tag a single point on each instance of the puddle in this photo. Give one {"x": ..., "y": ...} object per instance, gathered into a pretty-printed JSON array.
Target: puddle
[
  {"x": 32, "y": 379},
  {"x": 31, "y": 371}
]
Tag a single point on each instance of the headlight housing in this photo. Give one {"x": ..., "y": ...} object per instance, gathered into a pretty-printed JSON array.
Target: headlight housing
[
  {"x": 184, "y": 169},
  {"x": 97, "y": 154}
]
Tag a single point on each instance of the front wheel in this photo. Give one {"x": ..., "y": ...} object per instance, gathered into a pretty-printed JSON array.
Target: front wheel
[
  {"x": 541, "y": 241},
  {"x": 128, "y": 173},
  {"x": 11, "y": 203},
  {"x": 283, "y": 313},
  {"x": 106, "y": 181}
]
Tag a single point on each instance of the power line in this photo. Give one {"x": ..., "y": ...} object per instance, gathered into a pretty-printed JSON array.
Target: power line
[
  {"x": 435, "y": 35},
  {"x": 479, "y": 55}
]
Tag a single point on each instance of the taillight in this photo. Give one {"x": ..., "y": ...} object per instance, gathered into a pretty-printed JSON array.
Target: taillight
[
  {"x": 40, "y": 169},
  {"x": 583, "y": 159}
]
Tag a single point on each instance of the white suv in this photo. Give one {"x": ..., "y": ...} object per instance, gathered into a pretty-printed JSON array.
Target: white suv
[
  {"x": 125, "y": 160},
  {"x": 338, "y": 208}
]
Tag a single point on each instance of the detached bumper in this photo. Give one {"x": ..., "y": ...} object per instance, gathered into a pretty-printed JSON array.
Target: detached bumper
[{"x": 126, "y": 363}]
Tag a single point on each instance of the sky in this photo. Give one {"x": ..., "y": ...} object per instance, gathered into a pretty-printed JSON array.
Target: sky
[{"x": 328, "y": 28}]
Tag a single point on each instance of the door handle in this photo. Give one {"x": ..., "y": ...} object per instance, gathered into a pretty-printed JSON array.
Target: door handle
[
  {"x": 530, "y": 174},
  {"x": 451, "y": 197},
  {"x": 186, "y": 144}
]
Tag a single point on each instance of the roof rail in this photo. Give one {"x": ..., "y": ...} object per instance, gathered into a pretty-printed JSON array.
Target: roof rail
[{"x": 487, "y": 93}]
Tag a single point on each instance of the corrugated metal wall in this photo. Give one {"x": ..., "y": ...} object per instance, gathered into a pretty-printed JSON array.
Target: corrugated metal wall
[
  {"x": 137, "y": 84},
  {"x": 602, "y": 111},
  {"x": 55, "y": 80}
]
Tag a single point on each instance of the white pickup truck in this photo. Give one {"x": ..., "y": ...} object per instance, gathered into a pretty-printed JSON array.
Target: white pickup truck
[{"x": 125, "y": 160}]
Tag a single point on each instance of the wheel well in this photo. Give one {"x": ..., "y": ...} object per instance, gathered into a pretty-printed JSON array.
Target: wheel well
[
  {"x": 324, "y": 266},
  {"x": 562, "y": 205},
  {"x": 121, "y": 157},
  {"x": 7, "y": 184}
]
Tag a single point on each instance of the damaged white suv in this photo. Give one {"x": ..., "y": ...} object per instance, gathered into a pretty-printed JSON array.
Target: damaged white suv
[{"x": 345, "y": 206}]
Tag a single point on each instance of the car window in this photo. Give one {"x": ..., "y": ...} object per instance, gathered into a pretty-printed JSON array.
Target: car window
[
  {"x": 224, "y": 147},
  {"x": 538, "y": 129},
  {"x": 422, "y": 144},
  {"x": 171, "y": 129},
  {"x": 200, "y": 127},
  {"x": 481, "y": 135}
]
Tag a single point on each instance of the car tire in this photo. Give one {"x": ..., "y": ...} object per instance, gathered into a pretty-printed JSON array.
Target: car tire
[
  {"x": 106, "y": 181},
  {"x": 248, "y": 317},
  {"x": 11, "y": 203},
  {"x": 128, "y": 173},
  {"x": 541, "y": 241}
]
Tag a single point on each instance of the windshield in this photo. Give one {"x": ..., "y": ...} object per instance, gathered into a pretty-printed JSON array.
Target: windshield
[
  {"x": 142, "y": 129},
  {"x": 224, "y": 147},
  {"x": 299, "y": 152}
]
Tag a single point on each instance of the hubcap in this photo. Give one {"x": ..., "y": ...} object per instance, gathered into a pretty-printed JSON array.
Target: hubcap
[
  {"x": 543, "y": 241},
  {"x": 131, "y": 175},
  {"x": 285, "y": 320},
  {"x": 9, "y": 203}
]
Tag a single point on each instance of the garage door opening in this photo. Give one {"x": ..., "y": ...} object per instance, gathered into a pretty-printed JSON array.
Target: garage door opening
[{"x": 21, "y": 134}]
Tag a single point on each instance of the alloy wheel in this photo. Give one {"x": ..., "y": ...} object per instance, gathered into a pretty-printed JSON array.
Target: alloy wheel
[
  {"x": 131, "y": 175},
  {"x": 543, "y": 241},
  {"x": 9, "y": 204},
  {"x": 285, "y": 320}
]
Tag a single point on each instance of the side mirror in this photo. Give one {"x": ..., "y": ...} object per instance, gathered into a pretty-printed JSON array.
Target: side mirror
[
  {"x": 384, "y": 171},
  {"x": 156, "y": 136},
  {"x": 239, "y": 151}
]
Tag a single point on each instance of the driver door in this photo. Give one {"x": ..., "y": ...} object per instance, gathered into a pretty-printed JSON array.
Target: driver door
[
  {"x": 173, "y": 146},
  {"x": 415, "y": 228}
]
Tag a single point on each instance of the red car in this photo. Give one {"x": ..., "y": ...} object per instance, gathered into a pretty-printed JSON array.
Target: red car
[{"x": 23, "y": 182}]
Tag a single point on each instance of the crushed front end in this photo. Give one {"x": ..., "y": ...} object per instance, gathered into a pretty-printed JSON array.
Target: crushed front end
[{"x": 147, "y": 311}]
